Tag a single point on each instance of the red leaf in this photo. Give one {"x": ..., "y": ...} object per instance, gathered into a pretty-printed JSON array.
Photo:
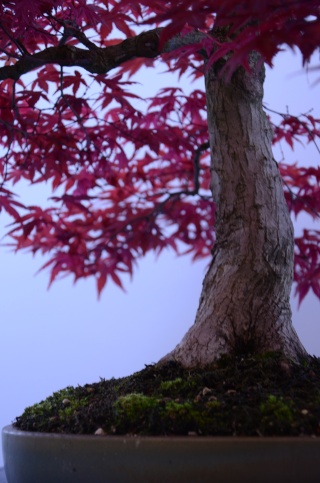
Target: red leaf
[
  {"x": 116, "y": 280},
  {"x": 101, "y": 281}
]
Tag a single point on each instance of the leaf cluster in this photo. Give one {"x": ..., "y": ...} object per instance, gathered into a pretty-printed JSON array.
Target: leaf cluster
[{"x": 130, "y": 174}]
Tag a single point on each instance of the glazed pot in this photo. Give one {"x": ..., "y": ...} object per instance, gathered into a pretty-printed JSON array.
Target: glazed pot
[{"x": 31, "y": 457}]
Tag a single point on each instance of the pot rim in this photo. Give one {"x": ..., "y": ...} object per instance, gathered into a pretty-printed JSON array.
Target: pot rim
[
  {"x": 11, "y": 429},
  {"x": 69, "y": 458}
]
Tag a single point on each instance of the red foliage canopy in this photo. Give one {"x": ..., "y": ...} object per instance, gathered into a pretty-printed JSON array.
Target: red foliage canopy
[{"x": 128, "y": 174}]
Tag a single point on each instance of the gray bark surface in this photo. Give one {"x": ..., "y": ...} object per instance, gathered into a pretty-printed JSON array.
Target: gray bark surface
[{"x": 244, "y": 305}]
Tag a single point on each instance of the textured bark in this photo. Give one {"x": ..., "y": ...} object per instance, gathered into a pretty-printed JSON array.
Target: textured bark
[
  {"x": 244, "y": 306},
  {"x": 98, "y": 60}
]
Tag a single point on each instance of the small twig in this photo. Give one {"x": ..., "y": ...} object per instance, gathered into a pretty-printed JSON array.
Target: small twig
[
  {"x": 157, "y": 209},
  {"x": 195, "y": 191},
  {"x": 298, "y": 197},
  {"x": 288, "y": 115},
  {"x": 71, "y": 29},
  {"x": 292, "y": 193},
  {"x": 17, "y": 42},
  {"x": 8, "y": 54}
]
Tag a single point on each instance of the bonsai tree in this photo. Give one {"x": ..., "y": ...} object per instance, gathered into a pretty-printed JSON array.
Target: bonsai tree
[{"x": 191, "y": 172}]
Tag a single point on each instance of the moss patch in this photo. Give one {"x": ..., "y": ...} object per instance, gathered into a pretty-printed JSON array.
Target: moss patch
[{"x": 240, "y": 396}]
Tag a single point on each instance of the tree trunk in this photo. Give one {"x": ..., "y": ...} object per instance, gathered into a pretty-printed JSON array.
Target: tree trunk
[{"x": 244, "y": 306}]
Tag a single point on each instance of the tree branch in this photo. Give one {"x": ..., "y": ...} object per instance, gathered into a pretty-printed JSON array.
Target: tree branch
[{"x": 99, "y": 60}]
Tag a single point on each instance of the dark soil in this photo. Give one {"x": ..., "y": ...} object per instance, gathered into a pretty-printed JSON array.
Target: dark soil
[{"x": 249, "y": 396}]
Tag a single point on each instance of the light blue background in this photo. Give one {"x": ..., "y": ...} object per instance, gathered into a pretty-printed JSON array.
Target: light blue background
[{"x": 65, "y": 336}]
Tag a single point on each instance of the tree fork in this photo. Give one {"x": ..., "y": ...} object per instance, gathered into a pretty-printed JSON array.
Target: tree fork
[{"x": 245, "y": 301}]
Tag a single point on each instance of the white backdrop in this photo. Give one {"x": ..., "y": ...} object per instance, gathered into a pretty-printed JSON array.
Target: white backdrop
[{"x": 65, "y": 336}]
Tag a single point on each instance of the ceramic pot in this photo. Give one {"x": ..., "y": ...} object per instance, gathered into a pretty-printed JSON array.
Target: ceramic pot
[{"x": 31, "y": 457}]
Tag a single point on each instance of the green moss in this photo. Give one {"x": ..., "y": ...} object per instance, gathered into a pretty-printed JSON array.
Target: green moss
[
  {"x": 277, "y": 413},
  {"x": 133, "y": 411},
  {"x": 213, "y": 405},
  {"x": 181, "y": 417},
  {"x": 133, "y": 405},
  {"x": 171, "y": 387},
  {"x": 175, "y": 409},
  {"x": 235, "y": 396},
  {"x": 59, "y": 410},
  {"x": 277, "y": 408}
]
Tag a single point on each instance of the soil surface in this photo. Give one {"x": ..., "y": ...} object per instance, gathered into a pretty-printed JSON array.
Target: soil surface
[{"x": 244, "y": 396}]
